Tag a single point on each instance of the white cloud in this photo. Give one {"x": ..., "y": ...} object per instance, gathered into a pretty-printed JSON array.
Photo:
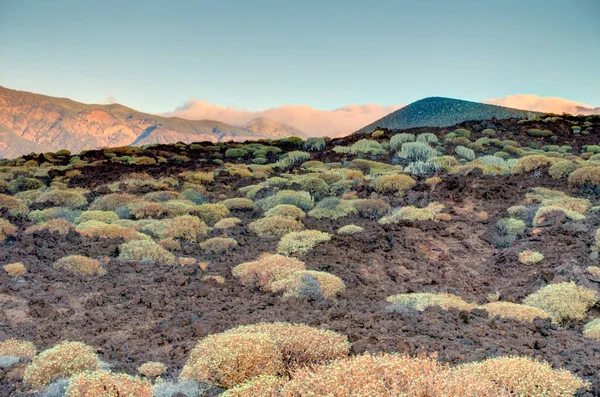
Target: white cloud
[{"x": 543, "y": 104}]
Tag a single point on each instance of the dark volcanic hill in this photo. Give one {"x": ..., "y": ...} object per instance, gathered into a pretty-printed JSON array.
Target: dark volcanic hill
[
  {"x": 442, "y": 112},
  {"x": 36, "y": 123}
]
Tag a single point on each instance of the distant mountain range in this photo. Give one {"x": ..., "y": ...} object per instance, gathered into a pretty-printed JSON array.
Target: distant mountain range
[
  {"x": 38, "y": 123},
  {"x": 442, "y": 112}
]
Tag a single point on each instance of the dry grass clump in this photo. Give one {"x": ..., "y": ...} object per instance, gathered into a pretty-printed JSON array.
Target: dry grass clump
[
  {"x": 17, "y": 348},
  {"x": 532, "y": 163},
  {"x": 198, "y": 177},
  {"x": 227, "y": 223},
  {"x": 238, "y": 204},
  {"x": 393, "y": 184},
  {"x": 543, "y": 211},
  {"x": 7, "y": 229},
  {"x": 433, "y": 181},
  {"x": 275, "y": 226},
  {"x": 179, "y": 207},
  {"x": 421, "y": 301},
  {"x": 59, "y": 226},
  {"x": 267, "y": 269},
  {"x": 152, "y": 369},
  {"x": 300, "y": 243},
  {"x": 81, "y": 265},
  {"x": 594, "y": 271},
  {"x": 333, "y": 208},
  {"x": 372, "y": 209},
  {"x": 530, "y": 257},
  {"x": 185, "y": 261},
  {"x": 145, "y": 250},
  {"x": 585, "y": 176},
  {"x": 218, "y": 245},
  {"x": 286, "y": 211},
  {"x": 211, "y": 213},
  {"x": 63, "y": 360},
  {"x": 563, "y": 301},
  {"x": 300, "y": 199},
  {"x": 350, "y": 229},
  {"x": 590, "y": 330},
  {"x": 186, "y": 227},
  {"x": 111, "y": 202},
  {"x": 413, "y": 214},
  {"x": 14, "y": 206},
  {"x": 15, "y": 269},
  {"x": 102, "y": 216},
  {"x": 146, "y": 209},
  {"x": 309, "y": 283},
  {"x": 63, "y": 198},
  {"x": 514, "y": 310},
  {"x": 217, "y": 279},
  {"x": 113, "y": 232},
  {"x": 260, "y": 386},
  {"x": 521, "y": 376},
  {"x": 229, "y": 359},
  {"x": 107, "y": 384}
]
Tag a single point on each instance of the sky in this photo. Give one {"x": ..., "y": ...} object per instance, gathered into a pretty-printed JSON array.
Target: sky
[{"x": 165, "y": 56}]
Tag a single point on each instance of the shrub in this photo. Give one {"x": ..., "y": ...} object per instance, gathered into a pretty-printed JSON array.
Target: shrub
[
  {"x": 514, "y": 310},
  {"x": 211, "y": 213},
  {"x": 545, "y": 210},
  {"x": 80, "y": 265},
  {"x": 14, "y": 206},
  {"x": 17, "y": 348},
  {"x": 235, "y": 153},
  {"x": 585, "y": 176},
  {"x": 193, "y": 196},
  {"x": 15, "y": 269},
  {"x": 102, "y": 216},
  {"x": 539, "y": 133},
  {"x": 393, "y": 184},
  {"x": 143, "y": 160},
  {"x": 63, "y": 198},
  {"x": 300, "y": 199},
  {"x": 315, "y": 144},
  {"x": 145, "y": 250},
  {"x": 6, "y": 230},
  {"x": 521, "y": 376},
  {"x": 291, "y": 158},
  {"x": 275, "y": 226},
  {"x": 511, "y": 226},
  {"x": 563, "y": 301},
  {"x": 112, "y": 232},
  {"x": 107, "y": 384},
  {"x": 350, "y": 229},
  {"x": 286, "y": 211},
  {"x": 368, "y": 146},
  {"x": 146, "y": 209},
  {"x": 465, "y": 152},
  {"x": 300, "y": 243},
  {"x": 227, "y": 223},
  {"x": 183, "y": 389},
  {"x": 260, "y": 386},
  {"x": 562, "y": 168},
  {"x": 423, "y": 167},
  {"x": 186, "y": 227},
  {"x": 63, "y": 360},
  {"x": 267, "y": 269},
  {"x": 590, "y": 329},
  {"x": 229, "y": 359},
  {"x": 152, "y": 369},
  {"x": 417, "y": 151},
  {"x": 530, "y": 257},
  {"x": 421, "y": 301},
  {"x": 333, "y": 208},
  {"x": 47, "y": 214},
  {"x": 239, "y": 204},
  {"x": 309, "y": 283},
  {"x": 397, "y": 140},
  {"x": 314, "y": 184},
  {"x": 218, "y": 245},
  {"x": 532, "y": 163},
  {"x": 23, "y": 183},
  {"x": 111, "y": 202},
  {"x": 372, "y": 208},
  {"x": 427, "y": 137},
  {"x": 179, "y": 207},
  {"x": 412, "y": 214}
]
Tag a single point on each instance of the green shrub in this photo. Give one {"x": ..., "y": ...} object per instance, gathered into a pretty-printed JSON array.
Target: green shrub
[
  {"x": 532, "y": 163},
  {"x": 393, "y": 184},
  {"x": 412, "y": 214},
  {"x": 111, "y": 202},
  {"x": 47, "y": 214},
  {"x": 211, "y": 213},
  {"x": 427, "y": 137},
  {"x": 102, "y": 216},
  {"x": 161, "y": 197},
  {"x": 300, "y": 243},
  {"x": 562, "y": 168},
  {"x": 423, "y": 167},
  {"x": 23, "y": 183},
  {"x": 103, "y": 383},
  {"x": 592, "y": 329},
  {"x": 465, "y": 152},
  {"x": 421, "y": 301},
  {"x": 235, "y": 153},
  {"x": 146, "y": 209},
  {"x": 398, "y": 139},
  {"x": 135, "y": 251},
  {"x": 63, "y": 198},
  {"x": 539, "y": 133},
  {"x": 315, "y": 144},
  {"x": 511, "y": 226},
  {"x": 293, "y": 158},
  {"x": 267, "y": 269},
  {"x": 286, "y": 211},
  {"x": 218, "y": 245},
  {"x": 14, "y": 206},
  {"x": 238, "y": 204},
  {"x": 312, "y": 183},
  {"x": 275, "y": 226},
  {"x": 488, "y": 132},
  {"x": 309, "y": 283},
  {"x": 530, "y": 257},
  {"x": 300, "y": 199},
  {"x": 417, "y": 151},
  {"x": 563, "y": 301},
  {"x": 333, "y": 208},
  {"x": 587, "y": 176},
  {"x": 514, "y": 310},
  {"x": 372, "y": 208},
  {"x": 367, "y": 146}
]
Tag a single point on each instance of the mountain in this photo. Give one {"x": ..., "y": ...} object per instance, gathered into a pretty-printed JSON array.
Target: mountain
[
  {"x": 442, "y": 112},
  {"x": 36, "y": 123},
  {"x": 275, "y": 129}
]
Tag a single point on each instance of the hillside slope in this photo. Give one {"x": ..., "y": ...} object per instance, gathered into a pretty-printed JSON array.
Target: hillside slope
[
  {"x": 272, "y": 128},
  {"x": 32, "y": 122},
  {"x": 442, "y": 112}
]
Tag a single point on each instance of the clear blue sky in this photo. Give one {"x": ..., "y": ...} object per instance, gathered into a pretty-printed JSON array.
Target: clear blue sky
[{"x": 154, "y": 55}]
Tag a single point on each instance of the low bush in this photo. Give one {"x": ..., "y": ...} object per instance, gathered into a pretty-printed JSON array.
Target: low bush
[
  {"x": 590, "y": 329},
  {"x": 563, "y": 168},
  {"x": 227, "y": 223},
  {"x": 111, "y": 202},
  {"x": 47, "y": 214},
  {"x": 585, "y": 176},
  {"x": 539, "y": 133},
  {"x": 275, "y": 226},
  {"x": 421, "y": 301},
  {"x": 218, "y": 245},
  {"x": 413, "y": 214},
  {"x": 300, "y": 243},
  {"x": 111, "y": 231},
  {"x": 23, "y": 183},
  {"x": 103, "y": 383},
  {"x": 199, "y": 177},
  {"x": 145, "y": 250},
  {"x": 563, "y": 301},
  {"x": 211, "y": 213},
  {"x": 15, "y": 269},
  {"x": 300, "y": 199},
  {"x": 81, "y": 265},
  {"x": 414, "y": 151},
  {"x": 286, "y": 211},
  {"x": 532, "y": 163},
  {"x": 397, "y": 140},
  {"x": 234, "y": 153},
  {"x": 152, "y": 369},
  {"x": 63, "y": 360},
  {"x": 315, "y": 144},
  {"x": 146, "y": 209},
  {"x": 465, "y": 152},
  {"x": 238, "y": 204},
  {"x": 543, "y": 211},
  {"x": 63, "y": 198},
  {"x": 350, "y": 229},
  {"x": 393, "y": 184},
  {"x": 260, "y": 386},
  {"x": 267, "y": 269},
  {"x": 511, "y": 226},
  {"x": 333, "y": 208},
  {"x": 514, "y": 310},
  {"x": 17, "y": 348},
  {"x": 102, "y": 216},
  {"x": 185, "y": 227},
  {"x": 372, "y": 208},
  {"x": 13, "y": 206},
  {"x": 7, "y": 230},
  {"x": 311, "y": 284},
  {"x": 530, "y": 257}
]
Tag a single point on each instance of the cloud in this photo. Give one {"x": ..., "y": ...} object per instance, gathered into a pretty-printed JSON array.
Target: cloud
[
  {"x": 111, "y": 99},
  {"x": 546, "y": 104},
  {"x": 314, "y": 122}
]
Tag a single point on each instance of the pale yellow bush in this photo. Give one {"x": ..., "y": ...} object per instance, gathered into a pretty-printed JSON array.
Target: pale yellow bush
[
  {"x": 592, "y": 329},
  {"x": 17, "y": 348},
  {"x": 145, "y": 249},
  {"x": 63, "y": 198},
  {"x": 260, "y": 386},
  {"x": 186, "y": 227},
  {"x": 585, "y": 176},
  {"x": 7, "y": 229},
  {"x": 275, "y": 226},
  {"x": 309, "y": 283},
  {"x": 59, "y": 226},
  {"x": 286, "y": 211},
  {"x": 531, "y": 163},
  {"x": 81, "y": 265},
  {"x": 393, "y": 184},
  {"x": 563, "y": 301},
  {"x": 15, "y": 269},
  {"x": 300, "y": 243},
  {"x": 227, "y": 223},
  {"x": 63, "y": 360},
  {"x": 211, "y": 213},
  {"x": 514, "y": 310},
  {"x": 102, "y": 216},
  {"x": 107, "y": 384},
  {"x": 229, "y": 359},
  {"x": 152, "y": 369},
  {"x": 14, "y": 206},
  {"x": 199, "y": 177},
  {"x": 146, "y": 209},
  {"x": 238, "y": 204},
  {"x": 112, "y": 231},
  {"x": 111, "y": 202},
  {"x": 421, "y": 301},
  {"x": 530, "y": 257},
  {"x": 218, "y": 245},
  {"x": 266, "y": 269}
]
